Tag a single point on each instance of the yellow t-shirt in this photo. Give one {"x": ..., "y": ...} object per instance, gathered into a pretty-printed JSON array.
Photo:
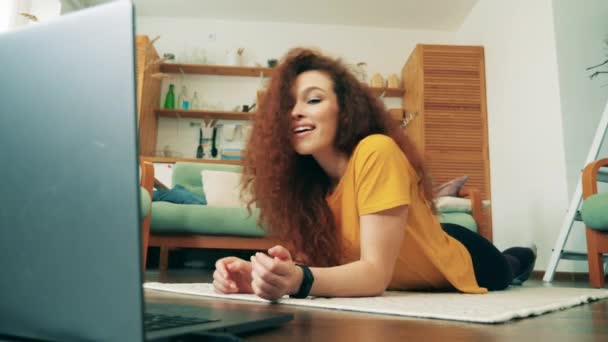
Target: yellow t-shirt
[{"x": 379, "y": 177}]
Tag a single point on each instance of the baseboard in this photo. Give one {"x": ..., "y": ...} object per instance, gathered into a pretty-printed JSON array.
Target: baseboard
[{"x": 564, "y": 276}]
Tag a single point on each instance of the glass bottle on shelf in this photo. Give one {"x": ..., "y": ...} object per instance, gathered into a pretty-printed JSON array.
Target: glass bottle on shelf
[
  {"x": 181, "y": 98},
  {"x": 170, "y": 98},
  {"x": 195, "y": 103}
]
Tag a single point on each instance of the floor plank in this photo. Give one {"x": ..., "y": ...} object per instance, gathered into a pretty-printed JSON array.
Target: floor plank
[{"x": 587, "y": 322}]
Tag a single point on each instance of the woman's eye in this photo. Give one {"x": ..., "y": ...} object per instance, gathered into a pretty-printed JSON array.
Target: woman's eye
[{"x": 313, "y": 101}]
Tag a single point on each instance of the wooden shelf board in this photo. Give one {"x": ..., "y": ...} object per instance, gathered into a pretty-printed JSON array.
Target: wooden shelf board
[
  {"x": 221, "y": 70},
  {"x": 225, "y": 70},
  {"x": 202, "y": 114},
  {"x": 172, "y": 160},
  {"x": 389, "y": 92}
]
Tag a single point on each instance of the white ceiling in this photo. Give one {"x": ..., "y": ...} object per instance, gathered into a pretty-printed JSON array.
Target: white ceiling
[{"x": 403, "y": 14}]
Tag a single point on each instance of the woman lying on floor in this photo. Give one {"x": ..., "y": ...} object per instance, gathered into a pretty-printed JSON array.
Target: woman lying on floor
[{"x": 335, "y": 176}]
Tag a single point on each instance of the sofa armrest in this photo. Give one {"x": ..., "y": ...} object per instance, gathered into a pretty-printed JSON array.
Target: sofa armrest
[
  {"x": 147, "y": 176},
  {"x": 476, "y": 209},
  {"x": 590, "y": 176},
  {"x": 147, "y": 184}
]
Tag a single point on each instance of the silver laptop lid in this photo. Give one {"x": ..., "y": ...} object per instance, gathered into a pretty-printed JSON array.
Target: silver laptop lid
[{"x": 69, "y": 204}]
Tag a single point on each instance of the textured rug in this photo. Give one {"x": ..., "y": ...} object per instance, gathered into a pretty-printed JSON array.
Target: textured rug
[{"x": 494, "y": 307}]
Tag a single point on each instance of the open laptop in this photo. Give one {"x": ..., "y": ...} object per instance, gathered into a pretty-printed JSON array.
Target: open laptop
[{"x": 69, "y": 205}]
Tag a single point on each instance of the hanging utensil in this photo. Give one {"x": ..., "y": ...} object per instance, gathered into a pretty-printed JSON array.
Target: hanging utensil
[
  {"x": 213, "y": 147},
  {"x": 199, "y": 149}
]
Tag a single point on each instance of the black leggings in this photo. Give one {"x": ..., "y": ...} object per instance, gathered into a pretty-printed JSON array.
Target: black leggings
[{"x": 492, "y": 269}]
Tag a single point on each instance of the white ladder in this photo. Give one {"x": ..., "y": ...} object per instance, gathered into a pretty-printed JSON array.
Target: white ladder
[{"x": 573, "y": 213}]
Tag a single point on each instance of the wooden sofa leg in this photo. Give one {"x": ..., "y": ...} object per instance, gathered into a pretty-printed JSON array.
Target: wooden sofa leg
[
  {"x": 163, "y": 263},
  {"x": 145, "y": 237},
  {"x": 596, "y": 265},
  {"x": 596, "y": 270}
]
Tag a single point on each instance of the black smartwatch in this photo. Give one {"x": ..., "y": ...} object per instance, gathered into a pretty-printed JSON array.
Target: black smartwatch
[{"x": 306, "y": 285}]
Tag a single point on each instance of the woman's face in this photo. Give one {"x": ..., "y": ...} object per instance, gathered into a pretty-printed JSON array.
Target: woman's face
[{"x": 314, "y": 114}]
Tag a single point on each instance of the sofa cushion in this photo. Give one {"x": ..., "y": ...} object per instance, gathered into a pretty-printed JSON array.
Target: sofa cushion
[
  {"x": 461, "y": 219},
  {"x": 595, "y": 211},
  {"x": 449, "y": 204},
  {"x": 171, "y": 218},
  {"x": 188, "y": 175},
  {"x": 222, "y": 188}
]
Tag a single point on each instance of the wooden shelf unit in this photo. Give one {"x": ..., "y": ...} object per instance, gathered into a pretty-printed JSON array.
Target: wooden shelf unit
[
  {"x": 220, "y": 70},
  {"x": 388, "y": 92},
  {"x": 172, "y": 160},
  {"x": 225, "y": 70},
  {"x": 204, "y": 114},
  {"x": 149, "y": 95}
]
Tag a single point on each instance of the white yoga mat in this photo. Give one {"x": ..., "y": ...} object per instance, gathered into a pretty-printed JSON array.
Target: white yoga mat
[{"x": 494, "y": 307}]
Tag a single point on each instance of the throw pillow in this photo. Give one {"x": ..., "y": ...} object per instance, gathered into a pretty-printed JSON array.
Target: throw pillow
[
  {"x": 448, "y": 204},
  {"x": 451, "y": 188},
  {"x": 486, "y": 203},
  {"x": 222, "y": 188}
]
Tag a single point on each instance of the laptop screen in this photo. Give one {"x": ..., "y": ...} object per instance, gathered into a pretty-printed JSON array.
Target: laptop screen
[{"x": 69, "y": 215}]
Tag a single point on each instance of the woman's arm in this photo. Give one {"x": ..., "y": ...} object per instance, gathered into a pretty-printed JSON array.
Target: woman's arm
[{"x": 381, "y": 237}]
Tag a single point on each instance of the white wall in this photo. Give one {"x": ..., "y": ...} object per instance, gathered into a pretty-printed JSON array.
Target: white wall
[
  {"x": 46, "y": 9},
  {"x": 9, "y": 13},
  {"x": 528, "y": 173},
  {"x": 580, "y": 32},
  {"x": 42, "y": 9},
  {"x": 526, "y": 126},
  {"x": 6, "y": 10},
  {"x": 384, "y": 50}
]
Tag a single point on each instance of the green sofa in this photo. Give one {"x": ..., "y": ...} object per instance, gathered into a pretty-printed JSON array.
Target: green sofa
[
  {"x": 146, "y": 179},
  {"x": 187, "y": 219},
  {"x": 201, "y": 226},
  {"x": 594, "y": 212},
  {"x": 463, "y": 219},
  {"x": 172, "y": 218},
  {"x": 146, "y": 202},
  {"x": 469, "y": 220}
]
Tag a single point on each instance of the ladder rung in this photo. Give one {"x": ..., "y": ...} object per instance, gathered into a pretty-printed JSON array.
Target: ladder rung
[
  {"x": 571, "y": 255},
  {"x": 602, "y": 175}
]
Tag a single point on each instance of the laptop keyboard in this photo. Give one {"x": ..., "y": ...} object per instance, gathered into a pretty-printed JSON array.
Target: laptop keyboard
[{"x": 154, "y": 322}]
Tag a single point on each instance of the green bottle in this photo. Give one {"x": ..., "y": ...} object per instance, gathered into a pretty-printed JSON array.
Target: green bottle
[{"x": 170, "y": 98}]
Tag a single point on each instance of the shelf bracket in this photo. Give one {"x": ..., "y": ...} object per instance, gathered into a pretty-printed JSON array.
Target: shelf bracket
[
  {"x": 158, "y": 61},
  {"x": 160, "y": 75},
  {"x": 407, "y": 118},
  {"x": 151, "y": 43}
]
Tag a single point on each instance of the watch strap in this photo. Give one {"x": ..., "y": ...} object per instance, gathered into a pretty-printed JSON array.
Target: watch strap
[{"x": 307, "y": 281}]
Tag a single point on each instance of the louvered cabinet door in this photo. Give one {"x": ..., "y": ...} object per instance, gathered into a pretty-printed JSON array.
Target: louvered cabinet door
[{"x": 452, "y": 121}]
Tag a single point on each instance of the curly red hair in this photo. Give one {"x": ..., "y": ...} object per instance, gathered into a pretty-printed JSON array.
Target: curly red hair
[{"x": 290, "y": 189}]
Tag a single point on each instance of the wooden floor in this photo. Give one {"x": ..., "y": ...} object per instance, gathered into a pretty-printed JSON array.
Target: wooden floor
[{"x": 583, "y": 323}]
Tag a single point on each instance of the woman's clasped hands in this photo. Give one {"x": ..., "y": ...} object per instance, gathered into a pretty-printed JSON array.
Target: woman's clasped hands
[{"x": 269, "y": 276}]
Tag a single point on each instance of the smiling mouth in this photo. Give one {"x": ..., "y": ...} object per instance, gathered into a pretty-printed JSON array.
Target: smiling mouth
[{"x": 303, "y": 129}]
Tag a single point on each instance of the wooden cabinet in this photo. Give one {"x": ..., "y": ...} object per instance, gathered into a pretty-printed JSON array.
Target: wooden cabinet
[{"x": 447, "y": 91}]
